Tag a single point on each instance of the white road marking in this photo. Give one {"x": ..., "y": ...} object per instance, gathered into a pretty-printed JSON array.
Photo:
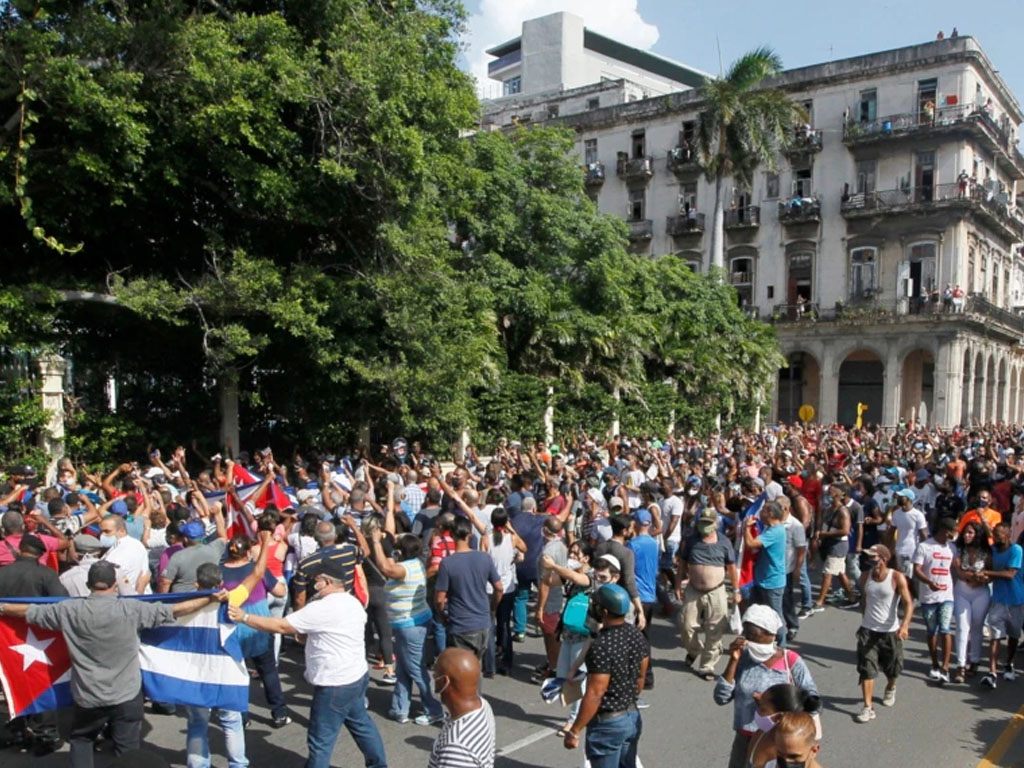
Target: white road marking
[{"x": 525, "y": 741}]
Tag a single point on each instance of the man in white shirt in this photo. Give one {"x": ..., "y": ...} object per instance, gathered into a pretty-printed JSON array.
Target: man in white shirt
[
  {"x": 129, "y": 556},
  {"x": 911, "y": 528},
  {"x": 933, "y": 566},
  {"x": 333, "y": 623}
]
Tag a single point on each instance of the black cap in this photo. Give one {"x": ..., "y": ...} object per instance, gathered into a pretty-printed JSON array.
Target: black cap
[
  {"x": 32, "y": 543},
  {"x": 101, "y": 575},
  {"x": 21, "y": 469}
]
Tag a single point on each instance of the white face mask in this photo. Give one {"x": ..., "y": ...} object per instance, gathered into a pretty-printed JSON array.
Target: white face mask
[
  {"x": 438, "y": 691},
  {"x": 760, "y": 652},
  {"x": 572, "y": 565},
  {"x": 764, "y": 722}
]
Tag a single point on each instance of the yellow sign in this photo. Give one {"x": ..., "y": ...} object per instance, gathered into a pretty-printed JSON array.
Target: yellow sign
[
  {"x": 861, "y": 407},
  {"x": 806, "y": 413}
]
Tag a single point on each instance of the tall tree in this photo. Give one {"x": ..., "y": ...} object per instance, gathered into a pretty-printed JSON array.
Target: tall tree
[{"x": 742, "y": 126}]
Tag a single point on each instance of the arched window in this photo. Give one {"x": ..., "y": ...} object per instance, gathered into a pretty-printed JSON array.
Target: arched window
[
  {"x": 741, "y": 277},
  {"x": 863, "y": 273}
]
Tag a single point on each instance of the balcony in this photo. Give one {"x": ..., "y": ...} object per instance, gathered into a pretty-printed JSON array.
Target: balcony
[
  {"x": 502, "y": 62},
  {"x": 683, "y": 161},
  {"x": 953, "y": 121},
  {"x": 683, "y": 224},
  {"x": 965, "y": 196},
  {"x": 593, "y": 174},
  {"x": 806, "y": 311},
  {"x": 805, "y": 142},
  {"x": 640, "y": 230},
  {"x": 743, "y": 218},
  {"x": 635, "y": 169},
  {"x": 740, "y": 278},
  {"x": 800, "y": 210}
]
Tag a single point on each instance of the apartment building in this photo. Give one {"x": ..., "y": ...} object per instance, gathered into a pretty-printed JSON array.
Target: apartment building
[{"x": 900, "y": 189}]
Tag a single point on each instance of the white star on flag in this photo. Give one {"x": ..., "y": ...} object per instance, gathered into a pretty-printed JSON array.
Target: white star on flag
[{"x": 33, "y": 650}]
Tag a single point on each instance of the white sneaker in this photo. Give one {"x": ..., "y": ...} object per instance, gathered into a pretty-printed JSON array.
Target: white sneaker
[
  {"x": 889, "y": 699},
  {"x": 865, "y": 715},
  {"x": 1010, "y": 674},
  {"x": 988, "y": 681},
  {"x": 934, "y": 674},
  {"x": 943, "y": 677}
]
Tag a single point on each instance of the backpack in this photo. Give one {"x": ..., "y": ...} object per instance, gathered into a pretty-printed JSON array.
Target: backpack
[{"x": 574, "y": 616}]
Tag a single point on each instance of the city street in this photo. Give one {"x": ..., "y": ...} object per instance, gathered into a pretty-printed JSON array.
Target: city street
[{"x": 954, "y": 727}]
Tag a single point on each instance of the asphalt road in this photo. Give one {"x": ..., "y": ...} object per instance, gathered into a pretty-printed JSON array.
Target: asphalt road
[{"x": 951, "y": 727}]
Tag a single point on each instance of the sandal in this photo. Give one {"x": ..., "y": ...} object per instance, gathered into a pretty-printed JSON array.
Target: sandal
[{"x": 959, "y": 677}]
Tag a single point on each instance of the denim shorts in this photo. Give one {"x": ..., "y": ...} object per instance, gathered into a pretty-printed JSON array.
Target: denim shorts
[
  {"x": 938, "y": 617},
  {"x": 1004, "y": 620}
]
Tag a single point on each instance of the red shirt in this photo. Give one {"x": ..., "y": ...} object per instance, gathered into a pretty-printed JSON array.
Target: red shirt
[
  {"x": 440, "y": 547},
  {"x": 554, "y": 506},
  {"x": 7, "y": 556}
]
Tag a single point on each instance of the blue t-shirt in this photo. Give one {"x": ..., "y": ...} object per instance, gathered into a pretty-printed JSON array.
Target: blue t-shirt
[
  {"x": 465, "y": 576},
  {"x": 1008, "y": 591},
  {"x": 530, "y": 528},
  {"x": 645, "y": 568},
  {"x": 770, "y": 567}
]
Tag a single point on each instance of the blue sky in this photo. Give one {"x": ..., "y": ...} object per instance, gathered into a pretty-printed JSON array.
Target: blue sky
[{"x": 801, "y": 32}]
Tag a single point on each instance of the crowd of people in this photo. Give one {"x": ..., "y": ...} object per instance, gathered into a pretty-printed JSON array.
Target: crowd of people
[{"x": 429, "y": 571}]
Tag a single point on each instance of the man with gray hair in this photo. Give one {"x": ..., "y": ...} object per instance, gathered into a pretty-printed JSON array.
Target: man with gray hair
[{"x": 339, "y": 559}]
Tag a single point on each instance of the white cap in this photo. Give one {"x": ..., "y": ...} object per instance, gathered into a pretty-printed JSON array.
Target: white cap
[
  {"x": 612, "y": 560},
  {"x": 764, "y": 617}
]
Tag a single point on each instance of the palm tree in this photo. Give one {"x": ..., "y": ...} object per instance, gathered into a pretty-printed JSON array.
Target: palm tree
[{"x": 741, "y": 127}]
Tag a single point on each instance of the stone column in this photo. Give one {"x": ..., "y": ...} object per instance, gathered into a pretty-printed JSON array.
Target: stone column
[
  {"x": 1006, "y": 394},
  {"x": 968, "y": 415},
  {"x": 892, "y": 387},
  {"x": 948, "y": 385},
  {"x": 828, "y": 392},
  {"x": 52, "y": 368},
  {"x": 981, "y": 391}
]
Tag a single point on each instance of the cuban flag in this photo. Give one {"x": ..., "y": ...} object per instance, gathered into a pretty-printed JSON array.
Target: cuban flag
[
  {"x": 749, "y": 557},
  {"x": 195, "y": 661}
]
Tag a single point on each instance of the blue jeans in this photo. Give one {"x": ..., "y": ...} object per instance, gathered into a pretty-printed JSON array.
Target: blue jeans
[
  {"x": 522, "y": 598},
  {"x": 773, "y": 599},
  {"x": 337, "y": 705},
  {"x": 410, "y": 667},
  {"x": 501, "y": 634},
  {"x": 197, "y": 741},
  {"x": 805, "y": 586},
  {"x": 613, "y": 743},
  {"x": 440, "y": 635}
]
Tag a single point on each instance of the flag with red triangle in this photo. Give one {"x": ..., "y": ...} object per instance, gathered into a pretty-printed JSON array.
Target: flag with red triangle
[{"x": 35, "y": 668}]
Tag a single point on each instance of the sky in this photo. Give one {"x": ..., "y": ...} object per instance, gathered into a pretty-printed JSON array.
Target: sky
[{"x": 801, "y": 33}]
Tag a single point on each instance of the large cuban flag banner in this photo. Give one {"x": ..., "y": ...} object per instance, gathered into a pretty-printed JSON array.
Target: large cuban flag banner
[{"x": 196, "y": 660}]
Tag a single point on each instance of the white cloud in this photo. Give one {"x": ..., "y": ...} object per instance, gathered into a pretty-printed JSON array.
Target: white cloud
[{"x": 501, "y": 20}]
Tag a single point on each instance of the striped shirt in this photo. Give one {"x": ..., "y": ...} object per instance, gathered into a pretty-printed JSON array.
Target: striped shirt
[
  {"x": 337, "y": 560},
  {"x": 407, "y": 599},
  {"x": 467, "y": 742},
  {"x": 414, "y": 497}
]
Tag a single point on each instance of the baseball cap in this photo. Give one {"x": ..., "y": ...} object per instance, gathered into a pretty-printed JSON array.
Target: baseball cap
[
  {"x": 923, "y": 474},
  {"x": 612, "y": 560},
  {"x": 119, "y": 508},
  {"x": 616, "y": 503},
  {"x": 907, "y": 493},
  {"x": 642, "y": 516},
  {"x": 762, "y": 616},
  {"x": 193, "y": 530},
  {"x": 305, "y": 494},
  {"x": 85, "y": 543},
  {"x": 613, "y": 599},
  {"x": 880, "y": 551},
  {"x": 102, "y": 575},
  {"x": 31, "y": 543},
  {"x": 707, "y": 519},
  {"x": 693, "y": 484},
  {"x": 796, "y": 481},
  {"x": 883, "y": 480}
]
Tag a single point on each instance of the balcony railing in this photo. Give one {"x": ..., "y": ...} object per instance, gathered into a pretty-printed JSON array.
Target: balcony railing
[
  {"x": 641, "y": 229},
  {"x": 805, "y": 141},
  {"x": 683, "y": 160},
  {"x": 685, "y": 224},
  {"x": 800, "y": 311},
  {"x": 635, "y": 168},
  {"x": 800, "y": 211},
  {"x": 739, "y": 278},
  {"x": 922, "y": 198},
  {"x": 593, "y": 174},
  {"x": 739, "y": 218},
  {"x": 504, "y": 61}
]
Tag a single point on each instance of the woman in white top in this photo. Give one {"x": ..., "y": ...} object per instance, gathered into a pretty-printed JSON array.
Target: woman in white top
[
  {"x": 506, "y": 549},
  {"x": 971, "y": 596}
]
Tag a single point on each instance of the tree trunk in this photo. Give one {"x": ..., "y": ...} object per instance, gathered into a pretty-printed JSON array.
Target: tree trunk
[
  {"x": 227, "y": 384},
  {"x": 717, "y": 255}
]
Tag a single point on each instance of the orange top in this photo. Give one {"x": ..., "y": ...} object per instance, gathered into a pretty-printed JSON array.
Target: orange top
[{"x": 986, "y": 515}]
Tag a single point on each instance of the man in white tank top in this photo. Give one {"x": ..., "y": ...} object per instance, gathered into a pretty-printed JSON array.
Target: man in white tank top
[{"x": 881, "y": 634}]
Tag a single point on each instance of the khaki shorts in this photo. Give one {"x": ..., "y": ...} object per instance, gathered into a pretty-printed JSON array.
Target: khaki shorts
[{"x": 835, "y": 566}]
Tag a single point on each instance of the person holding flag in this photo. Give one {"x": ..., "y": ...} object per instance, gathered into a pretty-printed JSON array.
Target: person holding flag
[{"x": 102, "y": 636}]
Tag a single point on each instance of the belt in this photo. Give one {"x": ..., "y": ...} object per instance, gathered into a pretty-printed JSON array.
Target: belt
[
  {"x": 601, "y": 717},
  {"x": 709, "y": 591}
]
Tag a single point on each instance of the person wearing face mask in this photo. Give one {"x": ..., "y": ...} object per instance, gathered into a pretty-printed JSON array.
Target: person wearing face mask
[
  {"x": 756, "y": 663},
  {"x": 881, "y": 633},
  {"x": 128, "y": 555},
  {"x": 796, "y": 743},
  {"x": 911, "y": 528},
  {"x": 982, "y": 513},
  {"x": 467, "y": 736},
  {"x": 333, "y": 623},
  {"x": 771, "y": 706}
]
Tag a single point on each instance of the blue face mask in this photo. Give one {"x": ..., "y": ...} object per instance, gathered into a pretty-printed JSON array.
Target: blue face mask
[{"x": 107, "y": 541}]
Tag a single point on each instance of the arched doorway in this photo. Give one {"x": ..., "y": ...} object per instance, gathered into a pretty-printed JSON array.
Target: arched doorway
[
  {"x": 965, "y": 390},
  {"x": 861, "y": 378},
  {"x": 799, "y": 384},
  {"x": 918, "y": 387}
]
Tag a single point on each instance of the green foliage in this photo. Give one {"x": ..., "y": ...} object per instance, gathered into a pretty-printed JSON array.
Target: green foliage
[
  {"x": 97, "y": 439},
  {"x": 23, "y": 420}
]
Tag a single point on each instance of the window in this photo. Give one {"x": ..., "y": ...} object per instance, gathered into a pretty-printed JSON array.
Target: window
[
  {"x": 552, "y": 111},
  {"x": 924, "y": 177},
  {"x": 771, "y": 185},
  {"x": 639, "y": 144},
  {"x": 983, "y": 282},
  {"x": 866, "y": 177},
  {"x": 741, "y": 277},
  {"x": 868, "y": 110},
  {"x": 802, "y": 183},
  {"x": 863, "y": 270},
  {"x": 688, "y": 197},
  {"x": 771, "y": 292},
  {"x": 512, "y": 86},
  {"x": 593, "y": 104},
  {"x": 970, "y": 271},
  {"x": 692, "y": 260},
  {"x": 1006, "y": 288},
  {"x": 801, "y": 266},
  {"x": 927, "y": 91},
  {"x": 922, "y": 257},
  {"x": 689, "y": 133},
  {"x": 590, "y": 151},
  {"x": 637, "y": 205},
  {"x": 808, "y": 108}
]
